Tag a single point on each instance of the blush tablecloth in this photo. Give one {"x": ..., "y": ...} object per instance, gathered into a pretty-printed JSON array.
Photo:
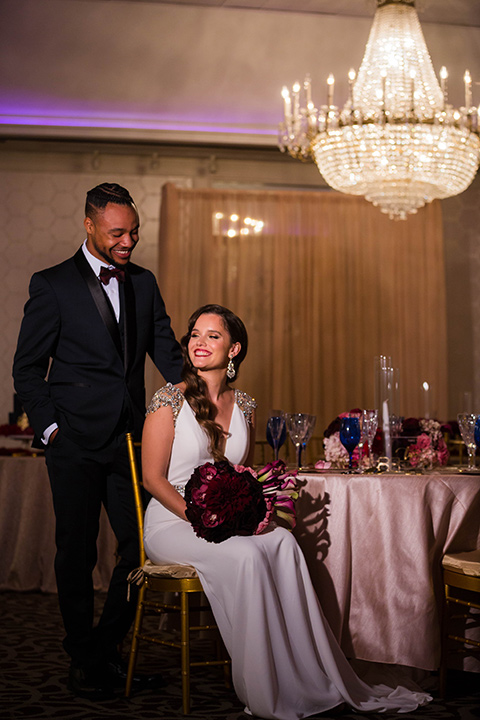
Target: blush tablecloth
[
  {"x": 27, "y": 529},
  {"x": 374, "y": 544}
]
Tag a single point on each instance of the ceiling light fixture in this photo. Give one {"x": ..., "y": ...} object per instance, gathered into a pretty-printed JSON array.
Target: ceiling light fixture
[{"x": 397, "y": 141}]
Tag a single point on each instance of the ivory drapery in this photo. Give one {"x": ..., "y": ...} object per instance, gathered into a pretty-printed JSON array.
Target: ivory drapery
[{"x": 328, "y": 284}]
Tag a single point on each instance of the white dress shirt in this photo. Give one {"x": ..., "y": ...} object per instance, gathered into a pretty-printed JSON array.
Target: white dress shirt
[{"x": 111, "y": 289}]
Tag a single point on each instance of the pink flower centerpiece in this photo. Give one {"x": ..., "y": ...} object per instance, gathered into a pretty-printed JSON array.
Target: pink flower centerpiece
[
  {"x": 430, "y": 449},
  {"x": 336, "y": 455},
  {"x": 421, "y": 445}
]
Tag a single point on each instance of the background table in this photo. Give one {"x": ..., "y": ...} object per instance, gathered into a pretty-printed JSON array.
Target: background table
[
  {"x": 374, "y": 544},
  {"x": 27, "y": 529}
]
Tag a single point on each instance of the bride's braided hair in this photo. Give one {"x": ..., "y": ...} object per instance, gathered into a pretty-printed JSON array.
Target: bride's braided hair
[{"x": 196, "y": 392}]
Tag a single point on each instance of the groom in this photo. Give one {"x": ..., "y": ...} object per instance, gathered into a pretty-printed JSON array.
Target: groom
[{"x": 79, "y": 371}]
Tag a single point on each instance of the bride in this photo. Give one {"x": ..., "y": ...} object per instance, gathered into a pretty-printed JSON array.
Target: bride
[{"x": 286, "y": 663}]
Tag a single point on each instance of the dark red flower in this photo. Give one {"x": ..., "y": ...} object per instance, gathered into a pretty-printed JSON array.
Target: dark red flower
[
  {"x": 14, "y": 429},
  {"x": 411, "y": 427},
  {"x": 223, "y": 501}
]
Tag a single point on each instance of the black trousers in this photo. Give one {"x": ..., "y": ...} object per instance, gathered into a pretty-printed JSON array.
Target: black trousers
[{"x": 81, "y": 481}]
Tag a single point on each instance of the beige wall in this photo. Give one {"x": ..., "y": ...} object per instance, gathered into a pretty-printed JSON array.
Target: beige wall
[
  {"x": 41, "y": 214},
  {"x": 461, "y": 220}
]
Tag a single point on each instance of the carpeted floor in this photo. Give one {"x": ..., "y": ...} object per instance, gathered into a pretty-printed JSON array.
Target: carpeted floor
[{"x": 33, "y": 672}]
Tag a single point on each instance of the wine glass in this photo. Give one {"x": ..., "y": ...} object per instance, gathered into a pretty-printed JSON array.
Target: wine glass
[
  {"x": 350, "y": 436},
  {"x": 369, "y": 427},
  {"x": 276, "y": 431},
  {"x": 361, "y": 442},
  {"x": 311, "y": 425},
  {"x": 298, "y": 426},
  {"x": 466, "y": 424}
]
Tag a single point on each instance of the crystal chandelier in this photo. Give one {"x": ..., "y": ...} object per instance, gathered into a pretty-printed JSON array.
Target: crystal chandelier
[{"x": 397, "y": 140}]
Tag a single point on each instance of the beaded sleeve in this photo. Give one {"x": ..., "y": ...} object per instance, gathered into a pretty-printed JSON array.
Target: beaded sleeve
[
  {"x": 167, "y": 396},
  {"x": 246, "y": 404}
]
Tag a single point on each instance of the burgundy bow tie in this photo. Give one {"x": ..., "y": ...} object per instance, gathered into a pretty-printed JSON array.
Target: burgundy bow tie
[{"x": 107, "y": 273}]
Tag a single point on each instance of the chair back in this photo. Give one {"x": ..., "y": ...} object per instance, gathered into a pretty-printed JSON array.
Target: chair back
[
  {"x": 137, "y": 492},
  {"x": 171, "y": 579}
]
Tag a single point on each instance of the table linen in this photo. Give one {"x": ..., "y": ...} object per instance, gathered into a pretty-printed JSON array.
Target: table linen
[
  {"x": 374, "y": 544},
  {"x": 27, "y": 530}
]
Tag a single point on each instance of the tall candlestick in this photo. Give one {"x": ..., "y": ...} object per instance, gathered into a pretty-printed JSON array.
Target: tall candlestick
[
  {"x": 381, "y": 365},
  {"x": 351, "y": 81},
  {"x": 296, "y": 101},
  {"x": 443, "y": 83},
  {"x": 287, "y": 109},
  {"x": 307, "y": 85},
  {"x": 287, "y": 103},
  {"x": 426, "y": 400},
  {"x": 386, "y": 433},
  {"x": 330, "y": 83},
  {"x": 468, "y": 89}
]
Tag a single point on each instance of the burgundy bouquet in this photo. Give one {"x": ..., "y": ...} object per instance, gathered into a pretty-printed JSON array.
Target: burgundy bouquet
[{"x": 225, "y": 500}]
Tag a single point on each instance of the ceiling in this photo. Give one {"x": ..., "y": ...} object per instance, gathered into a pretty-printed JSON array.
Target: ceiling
[
  {"x": 450, "y": 12},
  {"x": 196, "y": 70}
]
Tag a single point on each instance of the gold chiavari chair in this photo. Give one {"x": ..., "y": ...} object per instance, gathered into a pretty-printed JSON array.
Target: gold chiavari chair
[
  {"x": 164, "y": 582},
  {"x": 461, "y": 577}
]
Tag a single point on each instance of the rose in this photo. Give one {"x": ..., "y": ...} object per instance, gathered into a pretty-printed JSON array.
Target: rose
[
  {"x": 336, "y": 454},
  {"x": 335, "y": 451},
  {"x": 15, "y": 429},
  {"x": 225, "y": 500},
  {"x": 334, "y": 426},
  {"x": 442, "y": 452},
  {"x": 428, "y": 450},
  {"x": 222, "y": 501},
  {"x": 423, "y": 442},
  {"x": 411, "y": 427}
]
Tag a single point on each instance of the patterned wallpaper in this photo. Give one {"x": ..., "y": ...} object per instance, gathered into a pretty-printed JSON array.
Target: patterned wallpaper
[{"x": 41, "y": 218}]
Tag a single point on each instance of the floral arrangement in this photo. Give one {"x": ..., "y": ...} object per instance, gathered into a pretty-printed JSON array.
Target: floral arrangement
[
  {"x": 225, "y": 500},
  {"x": 429, "y": 449},
  {"x": 420, "y": 444},
  {"x": 14, "y": 429},
  {"x": 335, "y": 454}
]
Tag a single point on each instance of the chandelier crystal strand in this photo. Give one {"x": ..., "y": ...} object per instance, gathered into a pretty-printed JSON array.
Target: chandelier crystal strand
[{"x": 396, "y": 141}]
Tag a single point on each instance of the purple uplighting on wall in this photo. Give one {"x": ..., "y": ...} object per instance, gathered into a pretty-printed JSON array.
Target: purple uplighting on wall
[
  {"x": 127, "y": 124},
  {"x": 41, "y": 113}
]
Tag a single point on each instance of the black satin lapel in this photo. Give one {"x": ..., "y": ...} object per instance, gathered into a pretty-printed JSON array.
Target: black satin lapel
[
  {"x": 104, "y": 307},
  {"x": 130, "y": 321}
]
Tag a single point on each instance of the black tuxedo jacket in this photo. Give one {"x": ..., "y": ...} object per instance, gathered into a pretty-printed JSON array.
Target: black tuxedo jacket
[{"x": 76, "y": 366}]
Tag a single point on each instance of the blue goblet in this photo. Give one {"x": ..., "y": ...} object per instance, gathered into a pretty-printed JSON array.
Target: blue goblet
[
  {"x": 276, "y": 432},
  {"x": 477, "y": 432},
  {"x": 350, "y": 436}
]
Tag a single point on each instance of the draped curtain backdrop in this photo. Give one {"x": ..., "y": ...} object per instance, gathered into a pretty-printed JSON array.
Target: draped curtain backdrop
[{"x": 328, "y": 284}]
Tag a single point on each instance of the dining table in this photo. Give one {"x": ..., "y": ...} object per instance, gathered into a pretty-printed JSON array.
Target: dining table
[
  {"x": 27, "y": 529},
  {"x": 374, "y": 545}
]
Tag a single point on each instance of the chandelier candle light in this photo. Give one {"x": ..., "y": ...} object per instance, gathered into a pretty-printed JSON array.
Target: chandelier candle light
[{"x": 397, "y": 141}]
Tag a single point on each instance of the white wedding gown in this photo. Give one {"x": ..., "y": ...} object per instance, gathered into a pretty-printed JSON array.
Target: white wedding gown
[{"x": 286, "y": 663}]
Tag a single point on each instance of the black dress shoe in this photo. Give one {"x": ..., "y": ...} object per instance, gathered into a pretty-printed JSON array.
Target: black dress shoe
[
  {"x": 84, "y": 683},
  {"x": 117, "y": 676}
]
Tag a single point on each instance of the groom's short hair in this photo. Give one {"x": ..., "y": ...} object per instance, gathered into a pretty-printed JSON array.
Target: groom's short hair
[{"x": 99, "y": 197}]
